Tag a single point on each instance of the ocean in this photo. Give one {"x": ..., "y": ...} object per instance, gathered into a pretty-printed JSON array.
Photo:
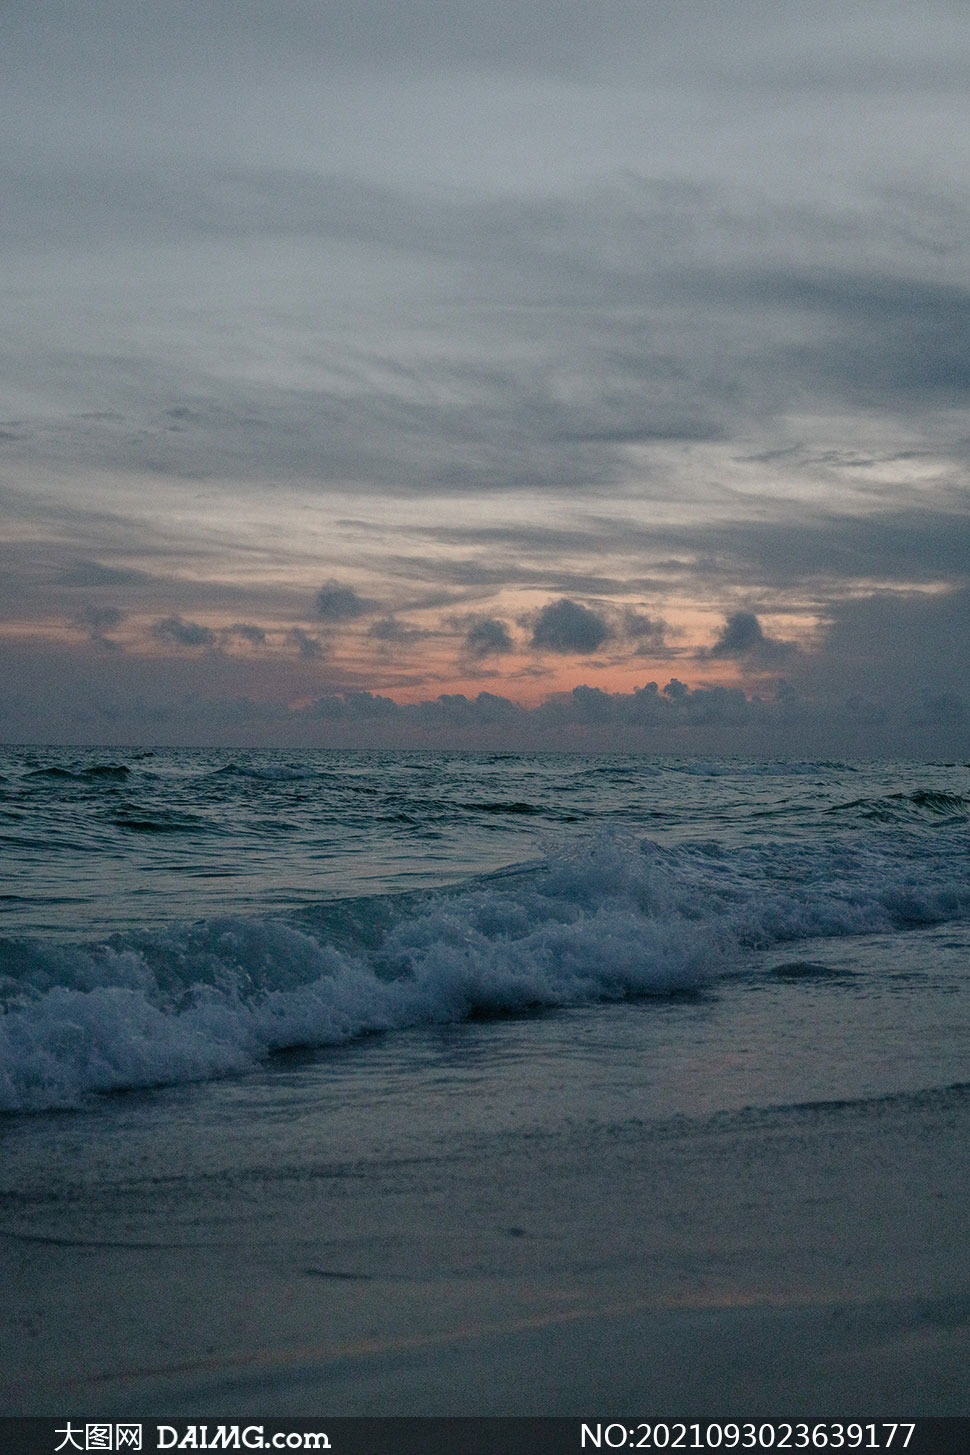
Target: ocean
[{"x": 402, "y": 1081}]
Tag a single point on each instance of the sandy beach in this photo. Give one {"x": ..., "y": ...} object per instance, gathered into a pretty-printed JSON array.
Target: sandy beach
[{"x": 806, "y": 1260}]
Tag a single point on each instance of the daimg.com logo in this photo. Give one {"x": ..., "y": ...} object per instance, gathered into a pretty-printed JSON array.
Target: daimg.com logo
[{"x": 98, "y": 1435}]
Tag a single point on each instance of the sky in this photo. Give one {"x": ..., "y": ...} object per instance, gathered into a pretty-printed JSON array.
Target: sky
[{"x": 523, "y": 375}]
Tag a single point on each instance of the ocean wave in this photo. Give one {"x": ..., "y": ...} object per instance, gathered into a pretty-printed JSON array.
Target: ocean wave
[
  {"x": 264, "y": 772},
  {"x": 519, "y": 807},
  {"x": 110, "y": 772},
  {"x": 611, "y": 919},
  {"x": 919, "y": 805},
  {"x": 758, "y": 768},
  {"x": 158, "y": 821}
]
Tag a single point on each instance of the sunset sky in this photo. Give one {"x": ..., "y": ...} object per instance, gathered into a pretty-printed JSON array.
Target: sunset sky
[{"x": 419, "y": 371}]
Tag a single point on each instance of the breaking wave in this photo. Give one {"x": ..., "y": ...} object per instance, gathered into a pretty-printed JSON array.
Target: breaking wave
[{"x": 615, "y": 918}]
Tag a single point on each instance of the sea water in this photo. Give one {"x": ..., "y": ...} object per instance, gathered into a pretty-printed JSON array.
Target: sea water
[
  {"x": 172, "y": 917},
  {"x": 443, "y": 1083}
]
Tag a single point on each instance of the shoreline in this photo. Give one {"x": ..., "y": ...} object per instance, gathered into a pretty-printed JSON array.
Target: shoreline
[{"x": 798, "y": 1261}]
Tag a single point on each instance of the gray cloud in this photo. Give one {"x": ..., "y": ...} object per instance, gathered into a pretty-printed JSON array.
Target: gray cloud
[
  {"x": 649, "y": 632},
  {"x": 249, "y": 632},
  {"x": 741, "y": 634},
  {"x": 475, "y": 575},
  {"x": 865, "y": 337},
  {"x": 674, "y": 717},
  {"x": 495, "y": 391},
  {"x": 336, "y": 603},
  {"x": 486, "y": 636},
  {"x": 307, "y": 645},
  {"x": 742, "y": 637},
  {"x": 880, "y": 546},
  {"x": 389, "y": 630},
  {"x": 97, "y": 621},
  {"x": 159, "y": 65},
  {"x": 512, "y": 265},
  {"x": 580, "y": 341},
  {"x": 893, "y": 647},
  {"x": 567, "y": 626},
  {"x": 93, "y": 573},
  {"x": 843, "y": 700},
  {"x": 801, "y": 546},
  {"x": 178, "y": 632}
]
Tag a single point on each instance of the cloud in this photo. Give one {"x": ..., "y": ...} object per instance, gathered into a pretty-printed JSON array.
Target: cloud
[
  {"x": 897, "y": 339},
  {"x": 585, "y": 714},
  {"x": 308, "y": 646},
  {"x": 181, "y": 633},
  {"x": 98, "y": 621},
  {"x": 255, "y": 635},
  {"x": 486, "y": 636},
  {"x": 740, "y": 635},
  {"x": 594, "y": 331},
  {"x": 743, "y": 638},
  {"x": 337, "y": 603},
  {"x": 805, "y": 547},
  {"x": 929, "y": 542},
  {"x": 649, "y": 707},
  {"x": 477, "y": 276},
  {"x": 839, "y": 701},
  {"x": 893, "y": 647},
  {"x": 649, "y": 632},
  {"x": 93, "y": 573},
  {"x": 568, "y": 627},
  {"x": 393, "y": 632}
]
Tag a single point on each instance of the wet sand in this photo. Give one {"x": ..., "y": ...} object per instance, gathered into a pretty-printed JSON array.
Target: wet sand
[{"x": 801, "y": 1261}]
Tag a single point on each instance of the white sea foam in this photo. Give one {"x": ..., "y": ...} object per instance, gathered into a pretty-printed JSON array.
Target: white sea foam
[{"x": 612, "y": 919}]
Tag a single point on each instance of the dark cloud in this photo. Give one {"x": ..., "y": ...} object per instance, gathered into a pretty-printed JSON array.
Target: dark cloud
[
  {"x": 389, "y": 630},
  {"x": 896, "y": 338},
  {"x": 364, "y": 706},
  {"x": 649, "y": 632},
  {"x": 893, "y": 647},
  {"x": 879, "y": 546},
  {"x": 567, "y": 626},
  {"x": 178, "y": 632},
  {"x": 486, "y": 636},
  {"x": 742, "y": 637},
  {"x": 336, "y": 603},
  {"x": 97, "y": 621},
  {"x": 803, "y": 546},
  {"x": 249, "y": 632},
  {"x": 307, "y": 645},
  {"x": 584, "y": 714},
  {"x": 839, "y": 702},
  {"x": 740, "y": 634},
  {"x": 93, "y": 574},
  {"x": 675, "y": 705}
]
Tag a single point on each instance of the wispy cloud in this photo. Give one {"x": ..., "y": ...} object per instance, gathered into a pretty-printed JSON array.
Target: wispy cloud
[{"x": 367, "y": 357}]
